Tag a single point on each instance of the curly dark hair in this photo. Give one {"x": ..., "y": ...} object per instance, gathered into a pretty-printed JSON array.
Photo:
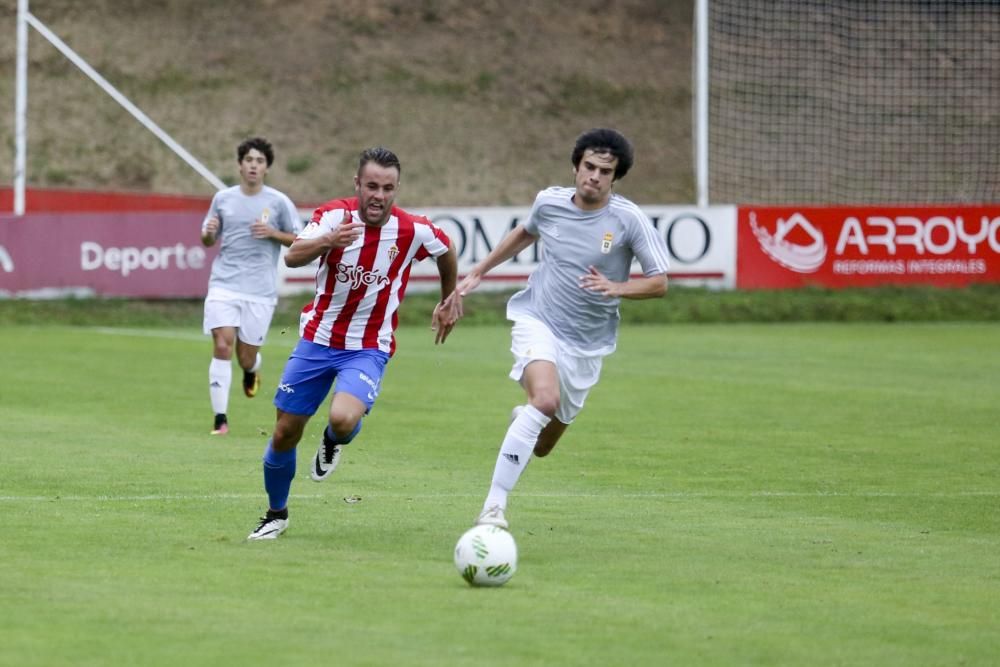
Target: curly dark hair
[
  {"x": 605, "y": 140},
  {"x": 261, "y": 144}
]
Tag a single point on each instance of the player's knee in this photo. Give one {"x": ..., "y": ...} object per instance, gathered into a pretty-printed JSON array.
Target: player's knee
[
  {"x": 546, "y": 404},
  {"x": 287, "y": 434},
  {"x": 284, "y": 439},
  {"x": 343, "y": 424}
]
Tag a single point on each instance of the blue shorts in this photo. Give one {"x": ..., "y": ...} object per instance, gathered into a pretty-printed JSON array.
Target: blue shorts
[{"x": 311, "y": 370}]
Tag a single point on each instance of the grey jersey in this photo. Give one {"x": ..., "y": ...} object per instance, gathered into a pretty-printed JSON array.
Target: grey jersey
[
  {"x": 247, "y": 267},
  {"x": 572, "y": 240}
]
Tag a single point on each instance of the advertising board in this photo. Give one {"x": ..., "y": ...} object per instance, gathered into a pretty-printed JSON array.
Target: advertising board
[
  {"x": 701, "y": 242},
  {"x": 154, "y": 254},
  {"x": 864, "y": 246},
  {"x": 158, "y": 254}
]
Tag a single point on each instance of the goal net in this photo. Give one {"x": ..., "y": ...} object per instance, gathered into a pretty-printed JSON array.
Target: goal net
[{"x": 854, "y": 102}]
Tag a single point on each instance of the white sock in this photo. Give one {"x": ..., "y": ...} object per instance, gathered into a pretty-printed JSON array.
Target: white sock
[
  {"x": 256, "y": 364},
  {"x": 515, "y": 452},
  {"x": 220, "y": 377}
]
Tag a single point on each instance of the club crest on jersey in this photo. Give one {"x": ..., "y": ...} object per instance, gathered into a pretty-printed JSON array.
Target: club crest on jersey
[
  {"x": 358, "y": 276},
  {"x": 393, "y": 251},
  {"x": 606, "y": 243},
  {"x": 265, "y": 215}
]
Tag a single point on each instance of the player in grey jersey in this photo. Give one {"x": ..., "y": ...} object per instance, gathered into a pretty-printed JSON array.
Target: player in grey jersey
[
  {"x": 253, "y": 221},
  {"x": 566, "y": 319}
]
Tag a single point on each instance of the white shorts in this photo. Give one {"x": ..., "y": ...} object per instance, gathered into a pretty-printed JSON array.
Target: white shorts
[
  {"x": 252, "y": 319},
  {"x": 531, "y": 341}
]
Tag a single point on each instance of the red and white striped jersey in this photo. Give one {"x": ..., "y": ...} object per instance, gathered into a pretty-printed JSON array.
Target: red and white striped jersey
[{"x": 359, "y": 288}]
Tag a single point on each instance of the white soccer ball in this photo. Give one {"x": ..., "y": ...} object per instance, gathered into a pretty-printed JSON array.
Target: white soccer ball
[{"x": 486, "y": 556}]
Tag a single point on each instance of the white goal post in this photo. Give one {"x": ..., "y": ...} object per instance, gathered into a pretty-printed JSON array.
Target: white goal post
[{"x": 25, "y": 19}]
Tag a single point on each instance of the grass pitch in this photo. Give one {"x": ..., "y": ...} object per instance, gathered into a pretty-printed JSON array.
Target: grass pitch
[{"x": 732, "y": 494}]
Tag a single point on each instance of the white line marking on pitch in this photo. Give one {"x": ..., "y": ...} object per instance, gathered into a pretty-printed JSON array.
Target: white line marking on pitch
[
  {"x": 167, "y": 334},
  {"x": 148, "y": 333},
  {"x": 435, "y": 496}
]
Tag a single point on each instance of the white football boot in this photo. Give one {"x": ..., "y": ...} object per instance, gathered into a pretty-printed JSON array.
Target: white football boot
[
  {"x": 492, "y": 516},
  {"x": 269, "y": 529},
  {"x": 326, "y": 460}
]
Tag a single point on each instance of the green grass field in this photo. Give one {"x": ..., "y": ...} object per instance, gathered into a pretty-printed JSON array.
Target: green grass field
[{"x": 743, "y": 494}]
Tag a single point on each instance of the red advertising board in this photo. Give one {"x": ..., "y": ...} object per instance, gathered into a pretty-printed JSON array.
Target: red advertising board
[
  {"x": 864, "y": 246},
  {"x": 67, "y": 200},
  {"x": 145, "y": 254}
]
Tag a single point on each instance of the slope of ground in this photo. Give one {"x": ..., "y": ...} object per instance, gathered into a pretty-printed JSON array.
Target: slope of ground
[{"x": 482, "y": 101}]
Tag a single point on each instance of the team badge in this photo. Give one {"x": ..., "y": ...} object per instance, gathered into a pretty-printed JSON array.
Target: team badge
[
  {"x": 606, "y": 243},
  {"x": 393, "y": 251},
  {"x": 265, "y": 215}
]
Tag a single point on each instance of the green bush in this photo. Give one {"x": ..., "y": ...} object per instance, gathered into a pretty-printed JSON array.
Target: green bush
[{"x": 680, "y": 305}]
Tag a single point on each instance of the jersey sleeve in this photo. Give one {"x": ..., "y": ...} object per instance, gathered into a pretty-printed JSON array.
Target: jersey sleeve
[
  {"x": 345, "y": 203},
  {"x": 647, "y": 245},
  {"x": 325, "y": 217},
  {"x": 531, "y": 224},
  {"x": 433, "y": 241},
  {"x": 322, "y": 223},
  {"x": 291, "y": 221},
  {"x": 213, "y": 209}
]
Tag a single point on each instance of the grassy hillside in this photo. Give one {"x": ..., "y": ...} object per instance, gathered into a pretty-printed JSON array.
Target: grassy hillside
[{"x": 481, "y": 100}]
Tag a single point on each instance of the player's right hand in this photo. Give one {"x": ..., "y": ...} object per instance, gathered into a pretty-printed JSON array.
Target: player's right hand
[
  {"x": 346, "y": 233},
  {"x": 468, "y": 283},
  {"x": 209, "y": 229}
]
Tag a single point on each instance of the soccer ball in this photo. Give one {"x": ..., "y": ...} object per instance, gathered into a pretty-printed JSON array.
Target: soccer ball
[{"x": 486, "y": 556}]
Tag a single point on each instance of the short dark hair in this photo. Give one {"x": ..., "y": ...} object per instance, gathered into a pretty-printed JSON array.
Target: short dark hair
[
  {"x": 605, "y": 140},
  {"x": 381, "y": 156},
  {"x": 261, "y": 144}
]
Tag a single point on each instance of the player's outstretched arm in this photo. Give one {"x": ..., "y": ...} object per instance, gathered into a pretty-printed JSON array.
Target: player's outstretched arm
[
  {"x": 518, "y": 239},
  {"x": 446, "y": 313}
]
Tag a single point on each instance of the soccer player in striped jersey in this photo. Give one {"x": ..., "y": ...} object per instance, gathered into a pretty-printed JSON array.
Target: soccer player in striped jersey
[
  {"x": 366, "y": 247},
  {"x": 253, "y": 221},
  {"x": 566, "y": 320}
]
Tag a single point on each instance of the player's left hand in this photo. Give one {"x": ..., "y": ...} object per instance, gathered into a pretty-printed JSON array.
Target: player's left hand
[
  {"x": 453, "y": 305},
  {"x": 595, "y": 281},
  {"x": 261, "y": 230},
  {"x": 442, "y": 321}
]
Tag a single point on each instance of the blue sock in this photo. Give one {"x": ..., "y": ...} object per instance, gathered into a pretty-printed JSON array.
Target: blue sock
[
  {"x": 279, "y": 470},
  {"x": 330, "y": 436}
]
